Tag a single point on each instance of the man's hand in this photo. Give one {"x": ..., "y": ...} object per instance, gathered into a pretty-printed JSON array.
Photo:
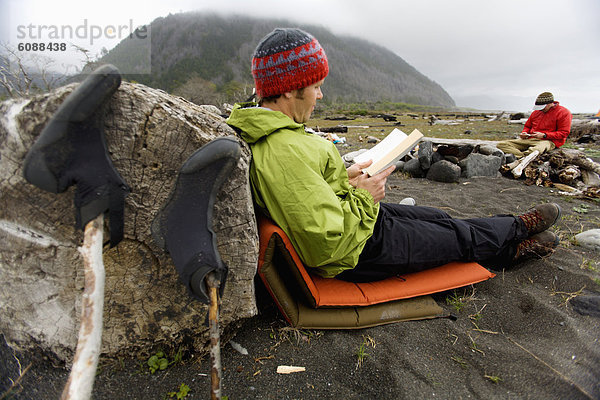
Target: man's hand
[
  {"x": 355, "y": 170},
  {"x": 524, "y": 135},
  {"x": 374, "y": 184},
  {"x": 532, "y": 135}
]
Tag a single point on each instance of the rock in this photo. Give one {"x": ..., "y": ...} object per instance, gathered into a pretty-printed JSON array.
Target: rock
[
  {"x": 413, "y": 167},
  {"x": 459, "y": 151},
  {"x": 509, "y": 158},
  {"x": 452, "y": 159},
  {"x": 349, "y": 157},
  {"x": 436, "y": 157},
  {"x": 587, "y": 304},
  {"x": 425, "y": 153},
  {"x": 444, "y": 171},
  {"x": 210, "y": 108},
  {"x": 372, "y": 139},
  {"x": 488, "y": 150},
  {"x": 587, "y": 138},
  {"x": 399, "y": 166},
  {"x": 149, "y": 135},
  {"x": 408, "y": 201},
  {"x": 590, "y": 178},
  {"x": 480, "y": 165},
  {"x": 589, "y": 239}
]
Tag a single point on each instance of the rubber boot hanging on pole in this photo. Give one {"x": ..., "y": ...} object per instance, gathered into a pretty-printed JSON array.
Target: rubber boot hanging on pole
[
  {"x": 184, "y": 229},
  {"x": 71, "y": 150}
]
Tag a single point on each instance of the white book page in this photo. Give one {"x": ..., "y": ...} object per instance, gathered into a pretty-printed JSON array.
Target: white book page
[{"x": 382, "y": 148}]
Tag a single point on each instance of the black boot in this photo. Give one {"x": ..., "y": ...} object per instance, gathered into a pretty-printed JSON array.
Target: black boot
[
  {"x": 184, "y": 226},
  {"x": 72, "y": 150}
]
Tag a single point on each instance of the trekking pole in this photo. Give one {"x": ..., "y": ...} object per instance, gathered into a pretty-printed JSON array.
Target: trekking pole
[
  {"x": 212, "y": 282},
  {"x": 81, "y": 379}
]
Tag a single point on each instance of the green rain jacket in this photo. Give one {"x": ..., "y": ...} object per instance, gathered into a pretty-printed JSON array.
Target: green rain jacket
[{"x": 300, "y": 180}]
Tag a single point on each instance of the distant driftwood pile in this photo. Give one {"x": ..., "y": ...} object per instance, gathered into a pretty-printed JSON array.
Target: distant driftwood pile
[{"x": 568, "y": 170}]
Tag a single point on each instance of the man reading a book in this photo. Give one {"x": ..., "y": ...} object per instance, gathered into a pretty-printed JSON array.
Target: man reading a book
[
  {"x": 546, "y": 128},
  {"x": 334, "y": 216}
]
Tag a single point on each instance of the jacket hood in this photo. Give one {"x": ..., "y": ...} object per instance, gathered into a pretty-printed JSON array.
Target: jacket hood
[{"x": 256, "y": 122}]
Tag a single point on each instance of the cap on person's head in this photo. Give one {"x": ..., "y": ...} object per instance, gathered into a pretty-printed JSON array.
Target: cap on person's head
[
  {"x": 287, "y": 59},
  {"x": 542, "y": 100}
]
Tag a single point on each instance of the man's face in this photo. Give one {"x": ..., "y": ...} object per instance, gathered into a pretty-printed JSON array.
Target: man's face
[
  {"x": 548, "y": 107},
  {"x": 303, "y": 101}
]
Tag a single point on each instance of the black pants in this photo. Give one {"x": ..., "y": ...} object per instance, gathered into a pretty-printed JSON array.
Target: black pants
[{"x": 411, "y": 238}]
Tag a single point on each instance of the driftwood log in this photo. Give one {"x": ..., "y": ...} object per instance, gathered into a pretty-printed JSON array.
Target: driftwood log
[
  {"x": 150, "y": 134},
  {"x": 568, "y": 170}
]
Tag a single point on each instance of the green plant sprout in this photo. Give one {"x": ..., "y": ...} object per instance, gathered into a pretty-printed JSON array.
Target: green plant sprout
[{"x": 182, "y": 393}]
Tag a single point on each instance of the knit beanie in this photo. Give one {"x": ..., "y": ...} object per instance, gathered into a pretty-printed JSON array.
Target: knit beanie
[
  {"x": 542, "y": 100},
  {"x": 287, "y": 59}
]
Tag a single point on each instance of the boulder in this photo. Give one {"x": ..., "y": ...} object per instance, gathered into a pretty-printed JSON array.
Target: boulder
[
  {"x": 413, "y": 167},
  {"x": 480, "y": 165},
  {"x": 425, "y": 153},
  {"x": 399, "y": 165},
  {"x": 436, "y": 157},
  {"x": 489, "y": 150},
  {"x": 149, "y": 135},
  {"x": 459, "y": 151},
  {"x": 589, "y": 239},
  {"x": 444, "y": 171},
  {"x": 587, "y": 304}
]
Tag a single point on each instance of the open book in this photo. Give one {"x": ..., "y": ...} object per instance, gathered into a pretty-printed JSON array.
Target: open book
[{"x": 387, "y": 152}]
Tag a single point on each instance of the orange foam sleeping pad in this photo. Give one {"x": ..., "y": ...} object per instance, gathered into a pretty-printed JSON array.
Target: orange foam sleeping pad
[{"x": 328, "y": 292}]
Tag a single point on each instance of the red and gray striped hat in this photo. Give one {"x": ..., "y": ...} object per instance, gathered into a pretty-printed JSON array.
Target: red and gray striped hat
[{"x": 287, "y": 59}]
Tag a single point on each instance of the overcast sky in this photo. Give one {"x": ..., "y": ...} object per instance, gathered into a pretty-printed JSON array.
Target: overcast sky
[{"x": 485, "y": 53}]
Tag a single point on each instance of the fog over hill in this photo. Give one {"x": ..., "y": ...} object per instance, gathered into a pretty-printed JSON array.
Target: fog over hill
[{"x": 211, "y": 53}]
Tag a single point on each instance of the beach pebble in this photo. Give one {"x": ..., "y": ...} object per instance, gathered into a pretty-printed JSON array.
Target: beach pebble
[{"x": 589, "y": 239}]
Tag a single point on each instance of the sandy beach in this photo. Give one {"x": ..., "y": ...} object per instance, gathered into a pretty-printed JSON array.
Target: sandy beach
[{"x": 516, "y": 336}]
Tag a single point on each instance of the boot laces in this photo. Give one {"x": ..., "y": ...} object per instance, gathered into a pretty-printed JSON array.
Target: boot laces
[{"x": 532, "y": 219}]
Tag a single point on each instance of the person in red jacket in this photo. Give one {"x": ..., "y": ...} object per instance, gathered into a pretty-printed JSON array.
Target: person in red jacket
[{"x": 546, "y": 129}]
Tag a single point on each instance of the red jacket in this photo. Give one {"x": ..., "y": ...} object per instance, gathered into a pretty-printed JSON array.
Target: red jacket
[{"x": 556, "y": 123}]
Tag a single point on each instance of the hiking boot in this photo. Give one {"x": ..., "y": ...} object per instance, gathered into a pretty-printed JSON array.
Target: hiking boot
[
  {"x": 541, "y": 217},
  {"x": 537, "y": 246}
]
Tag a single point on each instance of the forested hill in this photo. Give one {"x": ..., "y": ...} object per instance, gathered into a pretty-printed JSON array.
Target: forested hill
[{"x": 206, "y": 57}]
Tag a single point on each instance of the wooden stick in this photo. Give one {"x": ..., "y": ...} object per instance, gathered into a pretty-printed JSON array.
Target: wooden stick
[
  {"x": 81, "y": 380},
  {"x": 518, "y": 170},
  {"x": 215, "y": 337},
  {"x": 8, "y": 394}
]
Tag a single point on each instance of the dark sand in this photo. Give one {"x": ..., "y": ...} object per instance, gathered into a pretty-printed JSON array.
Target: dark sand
[{"x": 516, "y": 336}]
